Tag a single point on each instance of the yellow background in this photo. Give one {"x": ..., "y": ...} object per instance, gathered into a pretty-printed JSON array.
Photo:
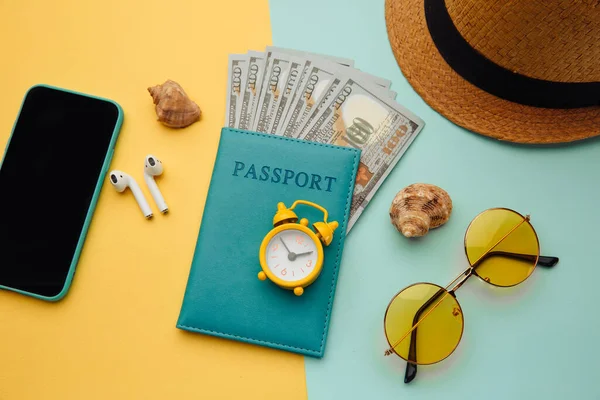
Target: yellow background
[{"x": 114, "y": 334}]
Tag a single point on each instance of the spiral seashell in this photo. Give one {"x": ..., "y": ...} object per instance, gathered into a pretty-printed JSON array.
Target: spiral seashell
[
  {"x": 173, "y": 107},
  {"x": 420, "y": 207}
]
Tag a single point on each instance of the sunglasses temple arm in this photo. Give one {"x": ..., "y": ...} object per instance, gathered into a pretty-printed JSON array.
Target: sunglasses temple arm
[
  {"x": 411, "y": 369},
  {"x": 544, "y": 261},
  {"x": 411, "y": 372},
  {"x": 547, "y": 261}
]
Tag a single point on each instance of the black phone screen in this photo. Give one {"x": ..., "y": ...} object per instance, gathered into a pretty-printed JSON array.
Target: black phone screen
[{"x": 47, "y": 182}]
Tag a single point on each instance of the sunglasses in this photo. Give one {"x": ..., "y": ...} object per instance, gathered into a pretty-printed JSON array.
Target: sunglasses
[{"x": 424, "y": 322}]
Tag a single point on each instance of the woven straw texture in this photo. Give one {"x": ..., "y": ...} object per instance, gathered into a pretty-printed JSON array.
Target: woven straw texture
[
  {"x": 555, "y": 40},
  {"x": 474, "y": 109}
]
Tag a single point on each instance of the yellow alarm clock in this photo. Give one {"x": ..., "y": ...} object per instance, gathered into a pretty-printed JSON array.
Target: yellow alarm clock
[{"x": 291, "y": 255}]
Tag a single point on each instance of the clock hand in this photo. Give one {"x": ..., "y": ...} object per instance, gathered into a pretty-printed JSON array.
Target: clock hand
[
  {"x": 303, "y": 254},
  {"x": 284, "y": 245},
  {"x": 291, "y": 254}
]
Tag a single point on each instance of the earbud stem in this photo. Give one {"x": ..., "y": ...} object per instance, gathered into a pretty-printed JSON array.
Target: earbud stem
[
  {"x": 139, "y": 197},
  {"x": 156, "y": 194}
]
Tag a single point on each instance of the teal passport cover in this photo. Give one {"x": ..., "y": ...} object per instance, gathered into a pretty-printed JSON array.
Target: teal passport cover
[{"x": 252, "y": 173}]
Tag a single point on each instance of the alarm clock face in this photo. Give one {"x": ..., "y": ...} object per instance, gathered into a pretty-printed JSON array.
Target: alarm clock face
[{"x": 291, "y": 255}]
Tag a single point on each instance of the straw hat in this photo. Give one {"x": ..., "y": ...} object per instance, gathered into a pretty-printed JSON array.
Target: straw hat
[{"x": 524, "y": 71}]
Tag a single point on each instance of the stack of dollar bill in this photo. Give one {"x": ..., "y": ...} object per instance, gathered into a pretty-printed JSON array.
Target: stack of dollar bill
[{"x": 323, "y": 99}]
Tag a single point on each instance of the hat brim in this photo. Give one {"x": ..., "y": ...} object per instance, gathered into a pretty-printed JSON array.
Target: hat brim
[{"x": 465, "y": 104}]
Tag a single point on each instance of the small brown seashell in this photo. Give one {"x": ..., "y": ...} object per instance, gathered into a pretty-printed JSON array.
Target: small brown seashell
[
  {"x": 173, "y": 107},
  {"x": 420, "y": 207}
]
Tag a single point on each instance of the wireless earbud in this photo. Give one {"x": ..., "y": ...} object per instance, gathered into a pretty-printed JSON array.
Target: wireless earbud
[
  {"x": 153, "y": 167},
  {"x": 121, "y": 181}
]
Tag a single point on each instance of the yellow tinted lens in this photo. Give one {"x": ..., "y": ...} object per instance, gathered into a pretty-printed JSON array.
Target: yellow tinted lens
[
  {"x": 513, "y": 259},
  {"x": 437, "y": 334}
]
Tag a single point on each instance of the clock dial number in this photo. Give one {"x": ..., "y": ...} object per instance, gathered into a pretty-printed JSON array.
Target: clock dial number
[
  {"x": 284, "y": 272},
  {"x": 309, "y": 264}
]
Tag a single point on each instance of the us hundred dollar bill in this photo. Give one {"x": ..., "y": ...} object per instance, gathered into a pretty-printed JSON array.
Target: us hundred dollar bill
[
  {"x": 291, "y": 84},
  {"x": 279, "y": 123},
  {"x": 251, "y": 89},
  {"x": 267, "y": 63},
  {"x": 358, "y": 74},
  {"x": 316, "y": 84},
  {"x": 237, "y": 69},
  {"x": 359, "y": 117},
  {"x": 313, "y": 56},
  {"x": 316, "y": 109},
  {"x": 280, "y": 66},
  {"x": 377, "y": 84}
]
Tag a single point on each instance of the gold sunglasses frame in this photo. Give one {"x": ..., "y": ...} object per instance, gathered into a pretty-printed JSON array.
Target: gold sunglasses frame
[{"x": 458, "y": 282}]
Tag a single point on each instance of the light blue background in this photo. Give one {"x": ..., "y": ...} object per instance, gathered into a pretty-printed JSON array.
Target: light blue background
[{"x": 537, "y": 340}]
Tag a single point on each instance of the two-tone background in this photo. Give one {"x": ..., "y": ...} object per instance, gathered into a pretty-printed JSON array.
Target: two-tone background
[{"x": 114, "y": 336}]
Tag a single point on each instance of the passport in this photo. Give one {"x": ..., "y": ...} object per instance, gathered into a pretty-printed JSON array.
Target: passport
[{"x": 252, "y": 173}]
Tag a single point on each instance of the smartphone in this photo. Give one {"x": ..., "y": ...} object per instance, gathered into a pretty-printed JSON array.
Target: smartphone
[{"x": 50, "y": 179}]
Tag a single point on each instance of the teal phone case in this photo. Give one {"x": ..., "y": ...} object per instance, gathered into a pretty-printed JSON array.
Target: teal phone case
[
  {"x": 224, "y": 296},
  {"x": 88, "y": 218}
]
